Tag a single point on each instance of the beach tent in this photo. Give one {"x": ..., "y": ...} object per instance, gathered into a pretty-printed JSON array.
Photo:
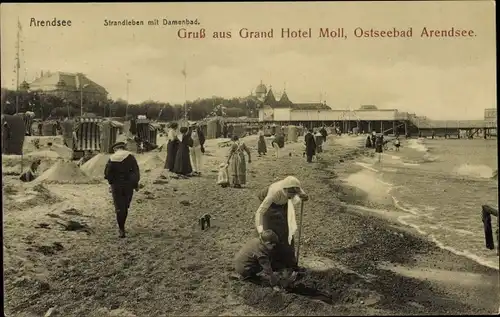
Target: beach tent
[
  {"x": 12, "y": 142},
  {"x": 49, "y": 128},
  {"x": 300, "y": 130},
  {"x": 214, "y": 129},
  {"x": 147, "y": 131},
  {"x": 88, "y": 132},
  {"x": 239, "y": 130},
  {"x": 67, "y": 132},
  {"x": 292, "y": 133},
  {"x": 109, "y": 131},
  {"x": 82, "y": 134},
  {"x": 28, "y": 118},
  {"x": 154, "y": 128}
]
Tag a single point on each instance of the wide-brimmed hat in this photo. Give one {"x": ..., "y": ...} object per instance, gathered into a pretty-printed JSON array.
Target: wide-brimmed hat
[{"x": 290, "y": 182}]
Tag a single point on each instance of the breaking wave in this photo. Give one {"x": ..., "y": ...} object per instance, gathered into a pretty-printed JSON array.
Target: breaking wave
[
  {"x": 476, "y": 171},
  {"x": 417, "y": 145}
]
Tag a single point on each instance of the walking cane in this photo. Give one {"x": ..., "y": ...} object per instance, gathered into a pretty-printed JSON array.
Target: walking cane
[{"x": 300, "y": 231}]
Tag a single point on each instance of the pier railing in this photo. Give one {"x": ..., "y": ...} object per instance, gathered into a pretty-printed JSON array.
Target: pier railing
[{"x": 487, "y": 212}]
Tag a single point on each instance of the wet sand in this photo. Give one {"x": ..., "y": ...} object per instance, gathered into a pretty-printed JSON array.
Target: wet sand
[{"x": 168, "y": 266}]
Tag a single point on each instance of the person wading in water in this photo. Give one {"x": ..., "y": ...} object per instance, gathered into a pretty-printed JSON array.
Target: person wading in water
[
  {"x": 122, "y": 173},
  {"x": 273, "y": 214}
]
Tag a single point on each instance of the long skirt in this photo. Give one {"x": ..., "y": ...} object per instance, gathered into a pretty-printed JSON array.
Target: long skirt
[
  {"x": 261, "y": 145},
  {"x": 172, "y": 147},
  {"x": 275, "y": 219},
  {"x": 182, "y": 163},
  {"x": 238, "y": 169}
]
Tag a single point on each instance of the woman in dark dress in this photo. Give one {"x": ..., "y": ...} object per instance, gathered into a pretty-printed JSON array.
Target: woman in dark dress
[
  {"x": 172, "y": 146},
  {"x": 273, "y": 215},
  {"x": 182, "y": 164},
  {"x": 379, "y": 146},
  {"x": 368, "y": 142},
  {"x": 261, "y": 145}
]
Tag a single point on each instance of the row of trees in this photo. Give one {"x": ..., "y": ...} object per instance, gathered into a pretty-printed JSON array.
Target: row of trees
[{"x": 49, "y": 106}]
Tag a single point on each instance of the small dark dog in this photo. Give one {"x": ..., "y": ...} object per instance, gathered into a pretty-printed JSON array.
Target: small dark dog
[{"x": 205, "y": 221}]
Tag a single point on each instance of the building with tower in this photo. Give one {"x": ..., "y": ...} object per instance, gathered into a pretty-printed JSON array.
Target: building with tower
[{"x": 366, "y": 118}]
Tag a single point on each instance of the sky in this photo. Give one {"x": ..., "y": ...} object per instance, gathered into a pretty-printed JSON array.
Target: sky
[{"x": 442, "y": 78}]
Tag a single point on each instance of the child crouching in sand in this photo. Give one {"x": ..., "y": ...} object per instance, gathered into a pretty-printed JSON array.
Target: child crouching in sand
[
  {"x": 223, "y": 177},
  {"x": 32, "y": 173},
  {"x": 254, "y": 258}
]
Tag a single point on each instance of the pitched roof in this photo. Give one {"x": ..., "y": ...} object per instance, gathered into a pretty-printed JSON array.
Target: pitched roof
[
  {"x": 72, "y": 81},
  {"x": 270, "y": 100},
  {"x": 285, "y": 101},
  {"x": 310, "y": 106}
]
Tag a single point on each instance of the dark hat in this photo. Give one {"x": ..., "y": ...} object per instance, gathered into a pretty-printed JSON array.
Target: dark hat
[{"x": 119, "y": 145}]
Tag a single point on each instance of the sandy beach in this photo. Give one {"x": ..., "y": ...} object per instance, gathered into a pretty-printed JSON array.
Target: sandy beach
[{"x": 61, "y": 249}]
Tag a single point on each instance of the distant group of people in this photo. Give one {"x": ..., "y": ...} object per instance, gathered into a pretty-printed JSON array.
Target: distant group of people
[
  {"x": 377, "y": 142},
  {"x": 314, "y": 143},
  {"x": 185, "y": 149}
]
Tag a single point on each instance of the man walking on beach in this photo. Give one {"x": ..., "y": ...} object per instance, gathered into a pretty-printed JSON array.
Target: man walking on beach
[
  {"x": 379, "y": 146},
  {"x": 122, "y": 173},
  {"x": 310, "y": 145},
  {"x": 323, "y": 133}
]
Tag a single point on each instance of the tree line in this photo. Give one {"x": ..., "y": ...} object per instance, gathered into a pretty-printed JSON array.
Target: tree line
[{"x": 47, "y": 106}]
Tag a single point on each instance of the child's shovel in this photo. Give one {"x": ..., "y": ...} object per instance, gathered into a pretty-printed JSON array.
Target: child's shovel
[{"x": 300, "y": 230}]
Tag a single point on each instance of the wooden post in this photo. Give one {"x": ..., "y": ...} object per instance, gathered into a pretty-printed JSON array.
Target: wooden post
[
  {"x": 369, "y": 127},
  {"x": 381, "y": 126},
  {"x": 394, "y": 127},
  {"x": 406, "y": 128},
  {"x": 488, "y": 211}
]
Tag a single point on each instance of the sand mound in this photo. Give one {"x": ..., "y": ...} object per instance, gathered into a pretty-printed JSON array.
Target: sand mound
[
  {"x": 64, "y": 172},
  {"x": 96, "y": 165},
  {"x": 43, "y": 142},
  {"x": 149, "y": 162},
  {"x": 22, "y": 198},
  {"x": 62, "y": 150},
  {"x": 44, "y": 153},
  {"x": 11, "y": 164}
]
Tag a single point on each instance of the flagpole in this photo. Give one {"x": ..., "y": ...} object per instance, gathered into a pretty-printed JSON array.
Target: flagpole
[
  {"x": 185, "y": 92},
  {"x": 18, "y": 63},
  {"x": 126, "y": 109}
]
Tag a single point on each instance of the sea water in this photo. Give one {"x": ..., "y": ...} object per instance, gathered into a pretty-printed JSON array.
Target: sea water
[{"x": 440, "y": 185}]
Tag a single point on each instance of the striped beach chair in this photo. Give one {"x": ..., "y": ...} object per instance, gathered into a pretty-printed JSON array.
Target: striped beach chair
[
  {"x": 109, "y": 132},
  {"x": 86, "y": 136},
  {"x": 147, "y": 131}
]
